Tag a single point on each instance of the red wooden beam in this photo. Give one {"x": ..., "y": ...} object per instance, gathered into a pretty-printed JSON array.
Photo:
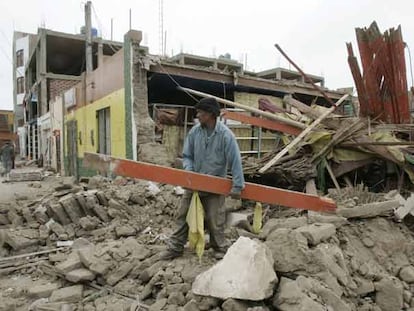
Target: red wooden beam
[
  {"x": 261, "y": 122},
  {"x": 207, "y": 183}
]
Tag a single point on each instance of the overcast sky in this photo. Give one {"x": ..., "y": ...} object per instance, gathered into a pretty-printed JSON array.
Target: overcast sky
[{"x": 312, "y": 32}]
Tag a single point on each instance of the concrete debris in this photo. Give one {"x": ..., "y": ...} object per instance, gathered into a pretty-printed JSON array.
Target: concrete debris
[
  {"x": 246, "y": 272},
  {"x": 407, "y": 274},
  {"x": 290, "y": 297},
  {"x": 42, "y": 291},
  {"x": 316, "y": 233},
  {"x": 337, "y": 221},
  {"x": 370, "y": 210},
  {"x": 389, "y": 294},
  {"x": 67, "y": 294},
  {"x": 117, "y": 230},
  {"x": 80, "y": 275},
  {"x": 18, "y": 175},
  {"x": 289, "y": 223}
]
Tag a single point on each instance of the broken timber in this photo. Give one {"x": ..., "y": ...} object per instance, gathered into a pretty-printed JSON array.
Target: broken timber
[
  {"x": 261, "y": 122},
  {"x": 201, "y": 182},
  {"x": 302, "y": 135},
  {"x": 266, "y": 114}
]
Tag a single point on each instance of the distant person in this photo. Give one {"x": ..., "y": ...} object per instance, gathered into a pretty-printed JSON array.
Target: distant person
[
  {"x": 210, "y": 148},
  {"x": 7, "y": 157}
]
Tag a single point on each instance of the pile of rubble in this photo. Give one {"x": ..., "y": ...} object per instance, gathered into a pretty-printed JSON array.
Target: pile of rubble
[{"x": 96, "y": 246}]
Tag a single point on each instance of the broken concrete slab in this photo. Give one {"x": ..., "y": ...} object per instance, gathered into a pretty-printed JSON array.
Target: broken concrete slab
[
  {"x": 389, "y": 294},
  {"x": 277, "y": 223},
  {"x": 101, "y": 212},
  {"x": 315, "y": 217},
  {"x": 25, "y": 174},
  {"x": 67, "y": 294},
  {"x": 317, "y": 233},
  {"x": 290, "y": 297},
  {"x": 407, "y": 274},
  {"x": 289, "y": 249},
  {"x": 89, "y": 223},
  {"x": 79, "y": 275},
  {"x": 71, "y": 263},
  {"x": 234, "y": 305},
  {"x": 364, "y": 286},
  {"x": 60, "y": 214},
  {"x": 21, "y": 239},
  {"x": 118, "y": 274},
  {"x": 42, "y": 291},
  {"x": 125, "y": 231},
  {"x": 246, "y": 272},
  {"x": 71, "y": 207},
  {"x": 370, "y": 210},
  {"x": 102, "y": 198},
  {"x": 328, "y": 297}
]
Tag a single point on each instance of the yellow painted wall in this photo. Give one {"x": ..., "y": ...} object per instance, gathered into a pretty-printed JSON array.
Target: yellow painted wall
[{"x": 87, "y": 121}]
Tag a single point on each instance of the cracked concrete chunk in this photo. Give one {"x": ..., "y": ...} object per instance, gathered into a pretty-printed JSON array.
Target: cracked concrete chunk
[
  {"x": 79, "y": 275},
  {"x": 317, "y": 233},
  {"x": 407, "y": 274},
  {"x": 67, "y": 294},
  {"x": 389, "y": 294},
  {"x": 246, "y": 272}
]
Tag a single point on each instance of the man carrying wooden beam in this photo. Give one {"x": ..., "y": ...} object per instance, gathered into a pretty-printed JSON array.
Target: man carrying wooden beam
[{"x": 210, "y": 148}]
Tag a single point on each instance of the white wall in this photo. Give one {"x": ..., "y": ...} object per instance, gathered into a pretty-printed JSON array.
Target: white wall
[{"x": 22, "y": 44}]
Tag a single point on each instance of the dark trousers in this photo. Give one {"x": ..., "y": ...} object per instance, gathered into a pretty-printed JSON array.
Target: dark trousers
[{"x": 214, "y": 218}]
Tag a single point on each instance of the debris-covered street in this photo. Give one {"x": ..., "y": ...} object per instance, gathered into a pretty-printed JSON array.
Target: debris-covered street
[{"x": 95, "y": 246}]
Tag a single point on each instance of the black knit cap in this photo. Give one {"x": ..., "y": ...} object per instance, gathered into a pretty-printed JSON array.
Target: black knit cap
[{"x": 209, "y": 104}]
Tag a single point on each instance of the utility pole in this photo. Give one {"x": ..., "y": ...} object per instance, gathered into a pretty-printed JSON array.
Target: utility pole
[{"x": 88, "y": 30}]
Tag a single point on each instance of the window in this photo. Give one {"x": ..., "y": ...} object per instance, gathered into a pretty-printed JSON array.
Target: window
[
  {"x": 19, "y": 58},
  {"x": 104, "y": 131},
  {"x": 20, "y": 85}
]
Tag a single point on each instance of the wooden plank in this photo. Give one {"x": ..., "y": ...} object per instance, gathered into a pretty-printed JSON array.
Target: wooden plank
[
  {"x": 302, "y": 135},
  {"x": 246, "y": 108},
  {"x": 261, "y": 122},
  {"x": 207, "y": 183}
]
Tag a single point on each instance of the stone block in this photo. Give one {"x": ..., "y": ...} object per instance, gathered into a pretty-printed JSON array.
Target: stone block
[
  {"x": 67, "y": 294},
  {"x": 71, "y": 207},
  {"x": 42, "y": 291},
  {"x": 234, "y": 305},
  {"x": 317, "y": 233},
  {"x": 117, "y": 275},
  {"x": 80, "y": 275},
  {"x": 60, "y": 214},
  {"x": 290, "y": 297},
  {"x": 277, "y": 223},
  {"x": 290, "y": 250},
  {"x": 407, "y": 274},
  {"x": 124, "y": 231},
  {"x": 246, "y": 272},
  {"x": 102, "y": 198},
  {"x": 71, "y": 263},
  {"x": 21, "y": 239},
  {"x": 364, "y": 286},
  {"x": 101, "y": 212},
  {"x": 389, "y": 294}
]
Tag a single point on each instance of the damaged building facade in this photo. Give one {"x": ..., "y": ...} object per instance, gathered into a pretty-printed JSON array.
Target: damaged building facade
[{"x": 130, "y": 105}]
